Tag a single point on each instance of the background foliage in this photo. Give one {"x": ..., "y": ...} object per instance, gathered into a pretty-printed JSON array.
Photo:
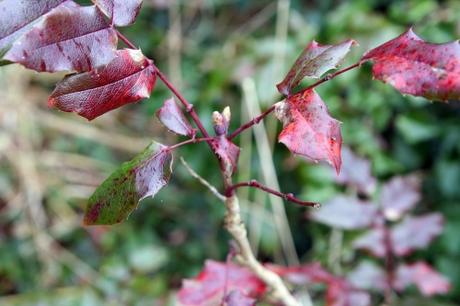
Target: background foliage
[{"x": 221, "y": 52}]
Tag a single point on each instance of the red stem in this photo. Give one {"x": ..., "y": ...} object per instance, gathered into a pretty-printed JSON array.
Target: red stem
[
  {"x": 286, "y": 196},
  {"x": 126, "y": 40}
]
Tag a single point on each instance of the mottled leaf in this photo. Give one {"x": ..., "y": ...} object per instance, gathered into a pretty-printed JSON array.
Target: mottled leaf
[
  {"x": 416, "y": 233},
  {"x": 367, "y": 275},
  {"x": 236, "y": 298},
  {"x": 372, "y": 241},
  {"x": 69, "y": 38},
  {"x": 346, "y": 213},
  {"x": 130, "y": 77},
  {"x": 209, "y": 287},
  {"x": 356, "y": 172},
  {"x": 418, "y": 68},
  {"x": 119, "y": 194},
  {"x": 121, "y": 12},
  {"x": 422, "y": 275},
  {"x": 171, "y": 115},
  {"x": 399, "y": 195},
  {"x": 313, "y": 62},
  {"x": 18, "y": 16},
  {"x": 227, "y": 152},
  {"x": 309, "y": 130}
]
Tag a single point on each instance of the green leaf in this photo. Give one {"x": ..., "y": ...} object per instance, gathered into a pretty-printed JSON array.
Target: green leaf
[{"x": 119, "y": 194}]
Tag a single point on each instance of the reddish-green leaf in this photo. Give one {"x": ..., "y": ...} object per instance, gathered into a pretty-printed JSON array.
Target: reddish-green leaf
[
  {"x": 18, "y": 16},
  {"x": 346, "y": 213},
  {"x": 174, "y": 119},
  {"x": 130, "y": 77},
  {"x": 416, "y": 233},
  {"x": 313, "y": 62},
  {"x": 118, "y": 195},
  {"x": 418, "y": 68},
  {"x": 69, "y": 38},
  {"x": 422, "y": 275},
  {"x": 399, "y": 195},
  {"x": 121, "y": 12},
  {"x": 309, "y": 130},
  {"x": 209, "y": 287}
]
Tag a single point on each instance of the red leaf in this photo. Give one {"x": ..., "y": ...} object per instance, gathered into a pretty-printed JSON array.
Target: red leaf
[
  {"x": 135, "y": 180},
  {"x": 399, "y": 195},
  {"x": 18, "y": 16},
  {"x": 309, "y": 130},
  {"x": 373, "y": 242},
  {"x": 121, "y": 12},
  {"x": 313, "y": 62},
  {"x": 208, "y": 288},
  {"x": 303, "y": 275},
  {"x": 346, "y": 213},
  {"x": 227, "y": 152},
  {"x": 427, "y": 280},
  {"x": 367, "y": 276},
  {"x": 130, "y": 77},
  {"x": 236, "y": 298},
  {"x": 416, "y": 233},
  {"x": 173, "y": 118},
  {"x": 356, "y": 172},
  {"x": 416, "y": 67},
  {"x": 70, "y": 38},
  {"x": 340, "y": 293}
]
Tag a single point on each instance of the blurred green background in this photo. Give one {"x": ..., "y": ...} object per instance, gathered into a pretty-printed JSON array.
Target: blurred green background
[{"x": 219, "y": 53}]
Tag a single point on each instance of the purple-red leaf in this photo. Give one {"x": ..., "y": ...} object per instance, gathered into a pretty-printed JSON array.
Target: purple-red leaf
[
  {"x": 309, "y": 130},
  {"x": 367, "y": 275},
  {"x": 313, "y": 62},
  {"x": 415, "y": 233},
  {"x": 227, "y": 152},
  {"x": 356, "y": 172},
  {"x": 418, "y": 68},
  {"x": 209, "y": 287},
  {"x": 422, "y": 275},
  {"x": 346, "y": 213},
  {"x": 69, "y": 38},
  {"x": 130, "y": 77},
  {"x": 399, "y": 195},
  {"x": 171, "y": 115},
  {"x": 121, "y": 12},
  {"x": 373, "y": 241},
  {"x": 18, "y": 16},
  {"x": 236, "y": 298},
  {"x": 119, "y": 194}
]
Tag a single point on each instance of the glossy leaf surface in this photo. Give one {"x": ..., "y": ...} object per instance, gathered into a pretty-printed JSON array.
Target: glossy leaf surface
[
  {"x": 171, "y": 115},
  {"x": 209, "y": 287},
  {"x": 428, "y": 281},
  {"x": 309, "y": 130},
  {"x": 130, "y": 77},
  {"x": 313, "y": 62},
  {"x": 418, "y": 68},
  {"x": 18, "y": 16},
  {"x": 121, "y": 12},
  {"x": 69, "y": 38},
  {"x": 119, "y": 194}
]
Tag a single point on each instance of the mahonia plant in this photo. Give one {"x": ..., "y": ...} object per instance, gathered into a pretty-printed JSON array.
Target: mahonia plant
[
  {"x": 392, "y": 233},
  {"x": 61, "y": 35}
]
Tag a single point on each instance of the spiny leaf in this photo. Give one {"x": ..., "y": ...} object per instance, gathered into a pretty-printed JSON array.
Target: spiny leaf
[
  {"x": 173, "y": 118},
  {"x": 208, "y": 288},
  {"x": 121, "y": 12},
  {"x": 422, "y": 275},
  {"x": 346, "y": 213},
  {"x": 118, "y": 195},
  {"x": 18, "y": 16},
  {"x": 130, "y": 77},
  {"x": 416, "y": 233},
  {"x": 69, "y": 38},
  {"x": 399, "y": 195},
  {"x": 418, "y": 68},
  {"x": 313, "y": 62},
  {"x": 309, "y": 130}
]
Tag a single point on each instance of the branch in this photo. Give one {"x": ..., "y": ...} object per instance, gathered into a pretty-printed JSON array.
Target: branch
[
  {"x": 236, "y": 228},
  {"x": 208, "y": 185},
  {"x": 188, "y": 141},
  {"x": 286, "y": 196},
  {"x": 250, "y": 123}
]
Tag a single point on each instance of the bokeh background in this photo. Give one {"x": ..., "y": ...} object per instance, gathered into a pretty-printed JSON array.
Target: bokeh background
[{"x": 219, "y": 53}]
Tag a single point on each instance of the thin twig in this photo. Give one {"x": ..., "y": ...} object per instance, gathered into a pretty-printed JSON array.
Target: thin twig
[
  {"x": 285, "y": 196},
  {"x": 250, "y": 123},
  {"x": 188, "y": 141},
  {"x": 204, "y": 182}
]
